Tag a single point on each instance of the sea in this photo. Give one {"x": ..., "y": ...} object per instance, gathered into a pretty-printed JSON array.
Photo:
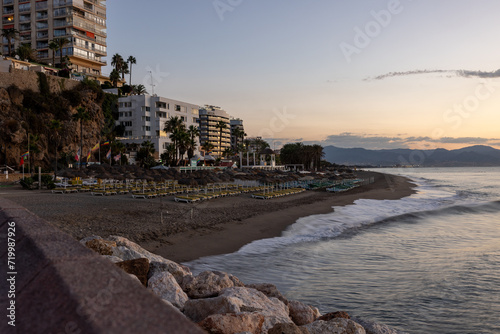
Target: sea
[{"x": 427, "y": 263}]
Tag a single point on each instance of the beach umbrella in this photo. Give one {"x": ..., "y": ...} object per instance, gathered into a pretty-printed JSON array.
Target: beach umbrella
[{"x": 160, "y": 167}]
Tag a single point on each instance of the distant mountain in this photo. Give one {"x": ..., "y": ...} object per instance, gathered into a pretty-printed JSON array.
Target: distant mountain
[{"x": 469, "y": 156}]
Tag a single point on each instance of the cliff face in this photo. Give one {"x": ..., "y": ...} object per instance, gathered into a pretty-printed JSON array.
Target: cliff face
[{"x": 25, "y": 112}]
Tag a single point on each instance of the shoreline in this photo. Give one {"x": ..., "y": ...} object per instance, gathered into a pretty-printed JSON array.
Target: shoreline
[
  {"x": 229, "y": 238},
  {"x": 185, "y": 232}
]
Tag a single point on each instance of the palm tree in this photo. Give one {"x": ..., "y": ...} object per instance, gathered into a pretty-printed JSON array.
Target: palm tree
[
  {"x": 173, "y": 125},
  {"x": 139, "y": 89},
  {"x": 61, "y": 42},
  {"x": 237, "y": 133},
  {"x": 183, "y": 142},
  {"x": 54, "y": 47},
  {"x": 124, "y": 70},
  {"x": 207, "y": 147},
  {"x": 131, "y": 60},
  {"x": 83, "y": 116},
  {"x": 55, "y": 126},
  {"x": 145, "y": 154},
  {"x": 114, "y": 76},
  {"x": 10, "y": 34},
  {"x": 24, "y": 51},
  {"x": 318, "y": 154},
  {"x": 193, "y": 132},
  {"x": 117, "y": 62},
  {"x": 221, "y": 126}
]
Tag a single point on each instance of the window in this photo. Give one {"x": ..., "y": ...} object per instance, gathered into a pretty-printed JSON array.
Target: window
[
  {"x": 146, "y": 118},
  {"x": 126, "y": 123},
  {"x": 177, "y": 107},
  {"x": 194, "y": 111},
  {"x": 146, "y": 108}
]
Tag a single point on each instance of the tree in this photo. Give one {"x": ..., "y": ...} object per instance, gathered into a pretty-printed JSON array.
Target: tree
[
  {"x": 54, "y": 47},
  {"x": 173, "y": 125},
  {"x": 168, "y": 155},
  {"x": 24, "y": 51},
  {"x": 207, "y": 147},
  {"x": 131, "y": 60},
  {"x": 183, "y": 142},
  {"x": 83, "y": 116},
  {"x": 237, "y": 133},
  {"x": 221, "y": 125},
  {"x": 55, "y": 126},
  {"x": 139, "y": 89},
  {"x": 193, "y": 132},
  {"x": 117, "y": 61},
  {"x": 10, "y": 34},
  {"x": 318, "y": 154},
  {"x": 124, "y": 70},
  {"x": 114, "y": 76},
  {"x": 145, "y": 154},
  {"x": 61, "y": 42}
]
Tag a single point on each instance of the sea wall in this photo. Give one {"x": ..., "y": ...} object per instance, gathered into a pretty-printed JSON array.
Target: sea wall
[
  {"x": 29, "y": 80},
  {"x": 56, "y": 285}
]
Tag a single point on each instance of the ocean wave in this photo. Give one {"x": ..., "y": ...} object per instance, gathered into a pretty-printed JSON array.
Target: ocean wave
[{"x": 429, "y": 200}]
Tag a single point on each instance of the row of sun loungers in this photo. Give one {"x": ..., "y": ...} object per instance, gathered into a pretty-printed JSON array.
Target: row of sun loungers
[{"x": 278, "y": 193}]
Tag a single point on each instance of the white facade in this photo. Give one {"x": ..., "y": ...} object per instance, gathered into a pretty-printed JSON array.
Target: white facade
[{"x": 144, "y": 117}]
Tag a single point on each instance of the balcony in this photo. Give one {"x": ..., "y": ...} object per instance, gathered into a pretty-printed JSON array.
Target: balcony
[
  {"x": 42, "y": 35},
  {"x": 62, "y": 3},
  {"x": 41, "y": 16},
  {"x": 23, "y": 9},
  {"x": 8, "y": 10},
  {"x": 7, "y": 2},
  {"x": 41, "y": 5}
]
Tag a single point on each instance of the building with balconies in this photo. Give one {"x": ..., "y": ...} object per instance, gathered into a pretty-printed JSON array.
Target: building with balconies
[
  {"x": 143, "y": 118},
  {"x": 210, "y": 116},
  {"x": 81, "y": 22}
]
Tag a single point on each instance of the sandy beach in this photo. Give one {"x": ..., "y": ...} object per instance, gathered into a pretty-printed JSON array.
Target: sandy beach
[{"x": 184, "y": 232}]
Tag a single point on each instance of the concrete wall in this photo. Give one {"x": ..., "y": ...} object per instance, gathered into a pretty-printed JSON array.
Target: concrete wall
[
  {"x": 63, "y": 287},
  {"x": 29, "y": 80}
]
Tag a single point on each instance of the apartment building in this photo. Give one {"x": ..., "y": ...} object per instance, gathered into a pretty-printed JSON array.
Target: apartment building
[
  {"x": 210, "y": 116},
  {"x": 81, "y": 22},
  {"x": 144, "y": 117}
]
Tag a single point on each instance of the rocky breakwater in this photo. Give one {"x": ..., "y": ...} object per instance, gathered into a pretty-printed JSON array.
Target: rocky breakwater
[{"x": 219, "y": 302}]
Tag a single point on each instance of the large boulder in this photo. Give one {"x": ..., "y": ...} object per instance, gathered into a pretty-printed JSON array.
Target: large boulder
[
  {"x": 165, "y": 286},
  {"x": 335, "y": 326},
  {"x": 372, "y": 327},
  {"x": 237, "y": 300},
  {"x": 231, "y": 323},
  {"x": 177, "y": 270},
  {"x": 270, "y": 290},
  {"x": 334, "y": 315},
  {"x": 209, "y": 284},
  {"x": 137, "y": 267},
  {"x": 128, "y": 250},
  {"x": 301, "y": 313},
  {"x": 287, "y": 329},
  {"x": 103, "y": 247}
]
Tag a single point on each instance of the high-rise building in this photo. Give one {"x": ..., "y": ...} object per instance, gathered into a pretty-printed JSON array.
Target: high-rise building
[
  {"x": 143, "y": 118},
  {"x": 210, "y": 117},
  {"x": 81, "y": 22}
]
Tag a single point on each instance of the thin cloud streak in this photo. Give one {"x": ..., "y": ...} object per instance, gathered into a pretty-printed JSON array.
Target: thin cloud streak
[{"x": 458, "y": 73}]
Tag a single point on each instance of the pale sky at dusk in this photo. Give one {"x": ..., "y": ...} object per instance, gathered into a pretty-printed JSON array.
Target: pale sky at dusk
[{"x": 315, "y": 71}]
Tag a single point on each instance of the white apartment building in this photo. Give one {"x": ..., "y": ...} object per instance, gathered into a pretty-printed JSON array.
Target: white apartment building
[
  {"x": 144, "y": 117},
  {"x": 210, "y": 116}
]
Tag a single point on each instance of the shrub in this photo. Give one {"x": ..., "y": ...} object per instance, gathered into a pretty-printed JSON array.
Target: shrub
[
  {"x": 27, "y": 183},
  {"x": 48, "y": 182}
]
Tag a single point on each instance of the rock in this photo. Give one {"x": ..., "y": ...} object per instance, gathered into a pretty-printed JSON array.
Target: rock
[
  {"x": 166, "y": 287},
  {"x": 334, "y": 315},
  {"x": 237, "y": 300},
  {"x": 301, "y": 313},
  {"x": 128, "y": 250},
  {"x": 112, "y": 258},
  {"x": 335, "y": 326},
  {"x": 135, "y": 278},
  {"x": 269, "y": 290},
  {"x": 372, "y": 327},
  {"x": 233, "y": 323},
  {"x": 208, "y": 284},
  {"x": 287, "y": 329},
  {"x": 93, "y": 237},
  {"x": 137, "y": 267},
  {"x": 177, "y": 270},
  {"x": 102, "y": 247}
]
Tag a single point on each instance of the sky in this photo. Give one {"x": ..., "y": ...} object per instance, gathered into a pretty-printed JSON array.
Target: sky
[{"x": 376, "y": 74}]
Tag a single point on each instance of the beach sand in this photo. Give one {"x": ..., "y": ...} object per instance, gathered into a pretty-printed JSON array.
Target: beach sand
[{"x": 183, "y": 232}]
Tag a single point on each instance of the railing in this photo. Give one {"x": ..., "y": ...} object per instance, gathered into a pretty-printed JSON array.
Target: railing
[
  {"x": 41, "y": 5},
  {"x": 7, "y": 2}
]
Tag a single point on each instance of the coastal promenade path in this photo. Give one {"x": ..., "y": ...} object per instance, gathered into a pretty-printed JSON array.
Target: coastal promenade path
[{"x": 53, "y": 284}]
